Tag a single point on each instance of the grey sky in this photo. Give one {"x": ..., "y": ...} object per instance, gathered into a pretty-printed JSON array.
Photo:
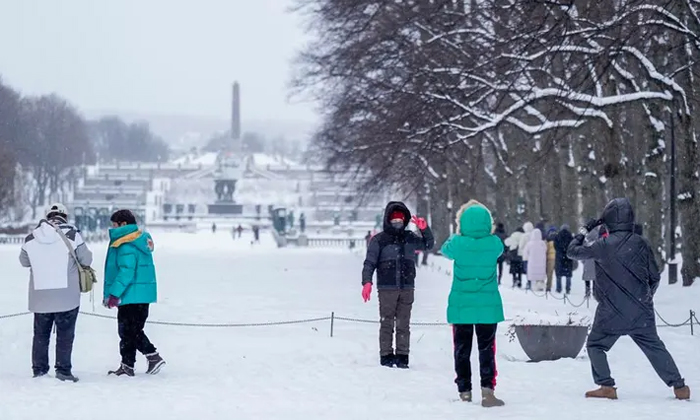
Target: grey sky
[{"x": 154, "y": 56}]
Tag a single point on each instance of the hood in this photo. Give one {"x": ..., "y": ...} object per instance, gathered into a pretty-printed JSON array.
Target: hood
[
  {"x": 391, "y": 207},
  {"x": 528, "y": 227},
  {"x": 536, "y": 235},
  {"x": 566, "y": 227},
  {"x": 618, "y": 215},
  {"x": 130, "y": 234},
  {"x": 46, "y": 233},
  {"x": 474, "y": 220}
]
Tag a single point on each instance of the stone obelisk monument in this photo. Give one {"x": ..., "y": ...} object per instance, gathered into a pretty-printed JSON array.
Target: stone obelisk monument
[{"x": 230, "y": 163}]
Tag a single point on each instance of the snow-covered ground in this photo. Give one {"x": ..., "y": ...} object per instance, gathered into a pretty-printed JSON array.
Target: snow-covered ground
[{"x": 299, "y": 371}]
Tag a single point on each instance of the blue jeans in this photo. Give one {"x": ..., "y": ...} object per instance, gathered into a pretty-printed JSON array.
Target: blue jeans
[
  {"x": 65, "y": 334},
  {"x": 568, "y": 284}
]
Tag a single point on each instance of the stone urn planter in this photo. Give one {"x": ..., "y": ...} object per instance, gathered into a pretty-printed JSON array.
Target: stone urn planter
[{"x": 549, "y": 337}]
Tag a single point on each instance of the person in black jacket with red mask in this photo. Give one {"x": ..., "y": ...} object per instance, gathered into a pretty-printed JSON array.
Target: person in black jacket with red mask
[
  {"x": 626, "y": 279},
  {"x": 391, "y": 253}
]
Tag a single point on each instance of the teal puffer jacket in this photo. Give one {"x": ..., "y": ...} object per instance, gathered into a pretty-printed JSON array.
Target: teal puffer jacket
[
  {"x": 130, "y": 273},
  {"x": 474, "y": 298}
]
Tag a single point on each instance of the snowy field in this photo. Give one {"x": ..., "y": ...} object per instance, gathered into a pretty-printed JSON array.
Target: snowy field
[{"x": 298, "y": 371}]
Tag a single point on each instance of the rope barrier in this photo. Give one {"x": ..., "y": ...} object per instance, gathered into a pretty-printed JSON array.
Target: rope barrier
[
  {"x": 14, "y": 315},
  {"x": 668, "y": 324},
  {"x": 220, "y": 325},
  {"x": 332, "y": 318}
]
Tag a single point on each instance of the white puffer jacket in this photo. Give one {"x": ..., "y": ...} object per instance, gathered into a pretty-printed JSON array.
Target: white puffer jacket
[
  {"x": 528, "y": 228},
  {"x": 535, "y": 253}
]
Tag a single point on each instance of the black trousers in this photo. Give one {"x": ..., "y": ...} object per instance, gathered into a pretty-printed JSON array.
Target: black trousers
[
  {"x": 130, "y": 320},
  {"x": 600, "y": 342},
  {"x": 65, "y": 335},
  {"x": 486, "y": 341}
]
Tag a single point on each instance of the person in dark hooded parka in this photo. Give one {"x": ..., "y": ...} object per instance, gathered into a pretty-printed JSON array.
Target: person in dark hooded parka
[
  {"x": 627, "y": 277},
  {"x": 392, "y": 254}
]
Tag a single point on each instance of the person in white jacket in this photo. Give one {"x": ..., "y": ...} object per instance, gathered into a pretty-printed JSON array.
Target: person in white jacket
[
  {"x": 536, "y": 254},
  {"x": 527, "y": 228},
  {"x": 54, "y": 289}
]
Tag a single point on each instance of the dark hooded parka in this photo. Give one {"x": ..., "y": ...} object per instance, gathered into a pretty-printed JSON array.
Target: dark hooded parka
[{"x": 627, "y": 275}]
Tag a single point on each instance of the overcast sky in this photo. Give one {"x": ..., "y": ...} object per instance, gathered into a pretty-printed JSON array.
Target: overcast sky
[{"x": 154, "y": 56}]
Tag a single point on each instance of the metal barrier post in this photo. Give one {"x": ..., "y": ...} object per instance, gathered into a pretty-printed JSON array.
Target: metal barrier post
[
  {"x": 332, "y": 322},
  {"x": 692, "y": 315}
]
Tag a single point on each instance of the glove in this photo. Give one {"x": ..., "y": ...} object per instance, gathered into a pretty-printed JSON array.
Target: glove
[
  {"x": 592, "y": 224},
  {"x": 112, "y": 302},
  {"x": 419, "y": 222},
  {"x": 366, "y": 291},
  {"x": 580, "y": 238}
]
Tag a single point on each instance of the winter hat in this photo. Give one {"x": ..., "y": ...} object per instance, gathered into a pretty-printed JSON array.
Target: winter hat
[
  {"x": 56, "y": 208},
  {"x": 397, "y": 215}
]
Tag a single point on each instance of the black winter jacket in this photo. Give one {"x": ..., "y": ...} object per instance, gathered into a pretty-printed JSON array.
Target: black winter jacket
[
  {"x": 626, "y": 272},
  {"x": 392, "y": 252},
  {"x": 563, "y": 265},
  {"x": 501, "y": 233}
]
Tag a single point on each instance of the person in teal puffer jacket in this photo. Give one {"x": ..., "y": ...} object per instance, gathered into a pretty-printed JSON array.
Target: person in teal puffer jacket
[
  {"x": 475, "y": 303},
  {"x": 130, "y": 284}
]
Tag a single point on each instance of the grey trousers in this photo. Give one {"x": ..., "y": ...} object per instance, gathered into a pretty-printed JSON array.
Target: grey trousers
[
  {"x": 395, "y": 313},
  {"x": 599, "y": 343}
]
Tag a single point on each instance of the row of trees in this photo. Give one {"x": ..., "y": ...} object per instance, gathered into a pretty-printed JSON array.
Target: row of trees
[
  {"x": 43, "y": 139},
  {"x": 116, "y": 140},
  {"x": 543, "y": 109},
  {"x": 252, "y": 142}
]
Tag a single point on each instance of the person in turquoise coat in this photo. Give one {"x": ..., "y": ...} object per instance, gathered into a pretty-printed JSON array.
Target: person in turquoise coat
[
  {"x": 475, "y": 304},
  {"x": 130, "y": 285}
]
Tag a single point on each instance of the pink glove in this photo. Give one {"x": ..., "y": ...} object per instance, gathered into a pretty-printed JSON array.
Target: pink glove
[
  {"x": 366, "y": 291},
  {"x": 112, "y": 302},
  {"x": 419, "y": 222}
]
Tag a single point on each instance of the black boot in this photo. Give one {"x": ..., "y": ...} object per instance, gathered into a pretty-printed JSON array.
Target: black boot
[
  {"x": 155, "y": 363},
  {"x": 402, "y": 361},
  {"x": 63, "y": 377},
  {"x": 123, "y": 370},
  {"x": 388, "y": 360}
]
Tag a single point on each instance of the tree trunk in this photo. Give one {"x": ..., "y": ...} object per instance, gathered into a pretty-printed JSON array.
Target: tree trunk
[
  {"x": 688, "y": 205},
  {"x": 570, "y": 190},
  {"x": 440, "y": 214},
  {"x": 650, "y": 208}
]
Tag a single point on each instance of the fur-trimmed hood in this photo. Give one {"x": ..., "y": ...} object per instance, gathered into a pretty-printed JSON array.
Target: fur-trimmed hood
[{"x": 474, "y": 219}]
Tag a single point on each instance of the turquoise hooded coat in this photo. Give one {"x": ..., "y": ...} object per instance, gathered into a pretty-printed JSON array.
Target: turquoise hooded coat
[
  {"x": 130, "y": 274},
  {"x": 474, "y": 298}
]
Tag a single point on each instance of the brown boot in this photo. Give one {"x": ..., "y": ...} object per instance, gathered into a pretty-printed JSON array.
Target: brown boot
[
  {"x": 682, "y": 393},
  {"x": 465, "y": 396},
  {"x": 608, "y": 392},
  {"x": 488, "y": 399}
]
